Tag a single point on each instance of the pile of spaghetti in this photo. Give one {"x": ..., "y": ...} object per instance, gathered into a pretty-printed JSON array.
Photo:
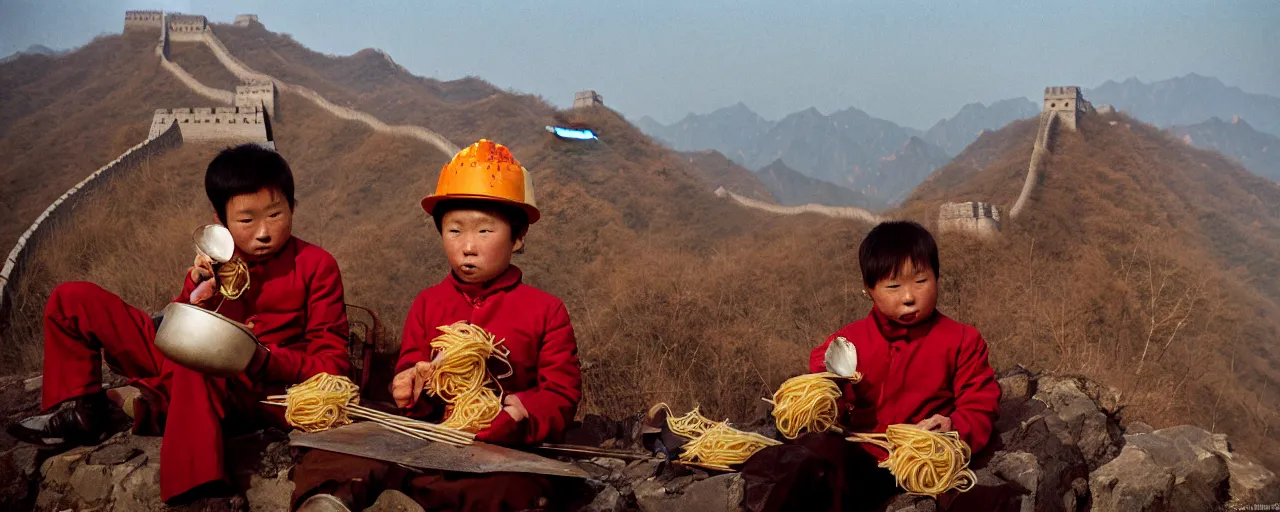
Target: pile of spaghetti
[
  {"x": 924, "y": 463},
  {"x": 461, "y": 378},
  {"x": 808, "y": 402},
  {"x": 326, "y": 401},
  {"x": 713, "y": 444}
]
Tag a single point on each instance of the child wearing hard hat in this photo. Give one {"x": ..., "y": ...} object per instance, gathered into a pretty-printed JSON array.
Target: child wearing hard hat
[{"x": 482, "y": 207}]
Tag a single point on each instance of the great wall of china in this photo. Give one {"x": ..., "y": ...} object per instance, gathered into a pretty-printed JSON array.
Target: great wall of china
[
  {"x": 245, "y": 117},
  {"x": 839, "y": 212},
  {"x": 15, "y": 262},
  {"x": 251, "y": 106},
  {"x": 1062, "y": 106}
]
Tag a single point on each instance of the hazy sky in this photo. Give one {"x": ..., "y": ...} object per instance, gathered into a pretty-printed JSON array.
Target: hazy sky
[{"x": 912, "y": 62}]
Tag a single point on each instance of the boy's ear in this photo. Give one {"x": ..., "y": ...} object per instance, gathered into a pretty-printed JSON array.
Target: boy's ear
[{"x": 519, "y": 247}]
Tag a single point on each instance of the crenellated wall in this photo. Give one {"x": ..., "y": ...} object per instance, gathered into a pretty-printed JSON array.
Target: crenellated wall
[
  {"x": 970, "y": 217},
  {"x": 229, "y": 124},
  {"x": 143, "y": 20},
  {"x": 260, "y": 96},
  {"x": 15, "y": 262}
]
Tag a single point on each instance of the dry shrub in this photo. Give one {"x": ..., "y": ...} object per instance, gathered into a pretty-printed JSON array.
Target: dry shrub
[{"x": 63, "y": 118}]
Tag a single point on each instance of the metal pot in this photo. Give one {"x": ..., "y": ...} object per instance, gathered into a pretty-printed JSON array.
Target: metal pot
[
  {"x": 205, "y": 341},
  {"x": 215, "y": 241}
]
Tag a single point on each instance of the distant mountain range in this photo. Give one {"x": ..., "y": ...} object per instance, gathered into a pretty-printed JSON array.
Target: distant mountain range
[
  {"x": 850, "y": 148},
  {"x": 1259, "y": 152},
  {"x": 791, "y": 187},
  {"x": 955, "y": 134},
  {"x": 885, "y": 161},
  {"x": 35, "y": 49},
  {"x": 1188, "y": 100}
]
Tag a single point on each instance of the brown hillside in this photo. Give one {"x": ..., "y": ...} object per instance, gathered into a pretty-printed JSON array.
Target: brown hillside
[
  {"x": 650, "y": 263},
  {"x": 1133, "y": 244},
  {"x": 718, "y": 171},
  {"x": 62, "y": 118},
  {"x": 197, "y": 60},
  {"x": 678, "y": 296},
  {"x": 462, "y": 110}
]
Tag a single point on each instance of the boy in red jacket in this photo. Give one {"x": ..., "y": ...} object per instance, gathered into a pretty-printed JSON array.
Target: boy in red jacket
[
  {"x": 918, "y": 367},
  {"x": 294, "y": 304},
  {"x": 482, "y": 208}
]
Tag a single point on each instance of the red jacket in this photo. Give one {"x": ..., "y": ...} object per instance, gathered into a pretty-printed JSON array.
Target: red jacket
[
  {"x": 536, "y": 329},
  {"x": 909, "y": 375},
  {"x": 295, "y": 303}
]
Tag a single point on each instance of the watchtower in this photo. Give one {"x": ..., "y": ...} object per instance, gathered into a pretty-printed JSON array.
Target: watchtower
[
  {"x": 261, "y": 96},
  {"x": 973, "y": 217},
  {"x": 245, "y": 20},
  {"x": 1067, "y": 103},
  {"x": 587, "y": 99},
  {"x": 187, "y": 23},
  {"x": 143, "y": 20}
]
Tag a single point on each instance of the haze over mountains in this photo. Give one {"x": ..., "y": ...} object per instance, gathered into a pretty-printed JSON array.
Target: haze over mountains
[
  {"x": 885, "y": 161},
  {"x": 875, "y": 157}
]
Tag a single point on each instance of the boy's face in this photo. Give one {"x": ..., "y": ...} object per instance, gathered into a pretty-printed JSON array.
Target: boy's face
[
  {"x": 909, "y": 297},
  {"x": 260, "y": 222},
  {"x": 478, "y": 244}
]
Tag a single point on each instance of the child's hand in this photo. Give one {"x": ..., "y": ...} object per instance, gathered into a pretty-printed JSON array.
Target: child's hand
[
  {"x": 202, "y": 269},
  {"x": 408, "y": 384},
  {"x": 515, "y": 408},
  {"x": 202, "y": 293},
  {"x": 936, "y": 423}
]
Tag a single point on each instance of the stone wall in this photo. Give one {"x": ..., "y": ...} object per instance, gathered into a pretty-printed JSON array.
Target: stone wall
[
  {"x": 143, "y": 20},
  {"x": 260, "y": 96},
  {"x": 218, "y": 95},
  {"x": 245, "y": 20},
  {"x": 839, "y": 212},
  {"x": 230, "y": 124},
  {"x": 186, "y": 23},
  {"x": 1038, "y": 152},
  {"x": 587, "y": 99},
  {"x": 1067, "y": 103},
  {"x": 972, "y": 217},
  {"x": 11, "y": 272}
]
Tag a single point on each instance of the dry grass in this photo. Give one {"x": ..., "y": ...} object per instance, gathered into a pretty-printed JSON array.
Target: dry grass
[
  {"x": 718, "y": 171},
  {"x": 677, "y": 296},
  {"x": 63, "y": 118}
]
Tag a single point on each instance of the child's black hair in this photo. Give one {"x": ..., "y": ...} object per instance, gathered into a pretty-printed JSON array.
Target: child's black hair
[
  {"x": 889, "y": 245},
  {"x": 246, "y": 169},
  {"x": 517, "y": 218}
]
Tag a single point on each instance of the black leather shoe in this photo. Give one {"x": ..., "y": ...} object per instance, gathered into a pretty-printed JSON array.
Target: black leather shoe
[{"x": 84, "y": 421}]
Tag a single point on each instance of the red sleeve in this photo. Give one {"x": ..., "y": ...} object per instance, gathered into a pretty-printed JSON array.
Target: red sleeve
[
  {"x": 553, "y": 402},
  {"x": 414, "y": 345},
  {"x": 977, "y": 394},
  {"x": 188, "y": 286},
  {"x": 326, "y": 332}
]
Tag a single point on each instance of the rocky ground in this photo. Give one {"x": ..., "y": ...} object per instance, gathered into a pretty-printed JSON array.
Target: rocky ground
[{"x": 1059, "y": 442}]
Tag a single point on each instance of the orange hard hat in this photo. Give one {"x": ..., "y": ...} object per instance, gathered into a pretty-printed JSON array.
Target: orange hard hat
[{"x": 485, "y": 171}]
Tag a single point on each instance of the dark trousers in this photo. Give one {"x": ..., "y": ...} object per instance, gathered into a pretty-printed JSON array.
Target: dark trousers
[
  {"x": 823, "y": 472},
  {"x": 359, "y": 481}
]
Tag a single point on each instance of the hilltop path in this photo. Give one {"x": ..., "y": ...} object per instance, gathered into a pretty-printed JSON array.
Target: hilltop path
[
  {"x": 244, "y": 72},
  {"x": 839, "y": 212}
]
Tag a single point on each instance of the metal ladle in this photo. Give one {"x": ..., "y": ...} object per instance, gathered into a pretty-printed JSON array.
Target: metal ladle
[{"x": 841, "y": 358}]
